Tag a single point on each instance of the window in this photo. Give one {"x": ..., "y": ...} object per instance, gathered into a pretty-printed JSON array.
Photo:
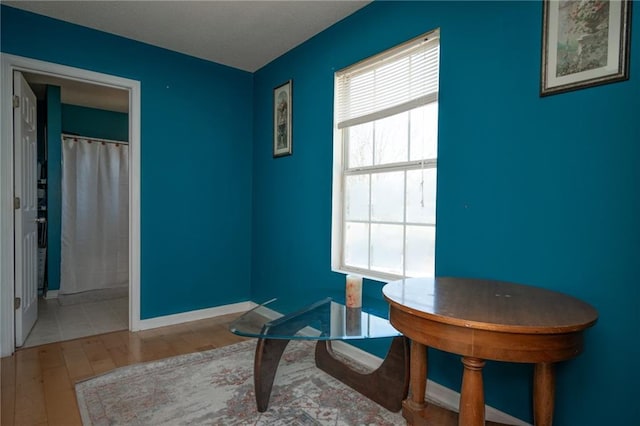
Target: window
[{"x": 385, "y": 159}]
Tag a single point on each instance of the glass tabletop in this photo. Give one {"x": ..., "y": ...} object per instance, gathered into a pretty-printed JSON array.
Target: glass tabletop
[{"x": 322, "y": 320}]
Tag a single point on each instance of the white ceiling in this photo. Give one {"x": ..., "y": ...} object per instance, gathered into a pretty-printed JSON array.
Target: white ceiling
[{"x": 241, "y": 34}]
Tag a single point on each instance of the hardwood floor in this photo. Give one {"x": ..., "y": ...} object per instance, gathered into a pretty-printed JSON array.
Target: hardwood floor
[{"x": 38, "y": 383}]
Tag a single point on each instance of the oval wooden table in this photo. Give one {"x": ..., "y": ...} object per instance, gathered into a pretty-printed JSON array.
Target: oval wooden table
[{"x": 486, "y": 320}]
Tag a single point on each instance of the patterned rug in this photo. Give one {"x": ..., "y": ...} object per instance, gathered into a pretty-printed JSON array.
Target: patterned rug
[{"x": 216, "y": 388}]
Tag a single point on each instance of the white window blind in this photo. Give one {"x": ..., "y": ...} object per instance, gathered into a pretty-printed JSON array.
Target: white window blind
[
  {"x": 385, "y": 162},
  {"x": 390, "y": 83}
]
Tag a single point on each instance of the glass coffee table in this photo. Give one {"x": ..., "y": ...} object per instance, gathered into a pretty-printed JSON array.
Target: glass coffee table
[{"x": 274, "y": 325}]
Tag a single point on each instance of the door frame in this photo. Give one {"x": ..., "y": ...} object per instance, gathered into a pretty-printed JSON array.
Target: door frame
[{"x": 8, "y": 64}]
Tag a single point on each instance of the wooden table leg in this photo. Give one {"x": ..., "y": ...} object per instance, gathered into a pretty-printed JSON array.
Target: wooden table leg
[
  {"x": 268, "y": 354},
  {"x": 543, "y": 394},
  {"x": 413, "y": 407},
  {"x": 472, "y": 393}
]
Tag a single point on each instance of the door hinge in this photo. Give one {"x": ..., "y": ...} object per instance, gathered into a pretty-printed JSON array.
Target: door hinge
[
  {"x": 17, "y": 302},
  {"x": 16, "y": 101},
  {"x": 16, "y": 203}
]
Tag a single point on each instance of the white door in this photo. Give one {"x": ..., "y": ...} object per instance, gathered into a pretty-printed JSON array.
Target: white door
[{"x": 26, "y": 207}]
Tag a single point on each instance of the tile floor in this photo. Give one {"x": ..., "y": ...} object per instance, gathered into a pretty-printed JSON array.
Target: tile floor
[{"x": 57, "y": 322}]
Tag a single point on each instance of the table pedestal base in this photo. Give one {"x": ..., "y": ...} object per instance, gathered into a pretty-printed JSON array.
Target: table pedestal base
[{"x": 387, "y": 385}]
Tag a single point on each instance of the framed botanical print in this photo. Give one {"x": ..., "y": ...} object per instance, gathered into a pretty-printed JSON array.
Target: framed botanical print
[
  {"x": 584, "y": 44},
  {"x": 282, "y": 106}
]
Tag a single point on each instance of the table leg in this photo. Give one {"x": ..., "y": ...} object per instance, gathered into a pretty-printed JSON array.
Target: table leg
[
  {"x": 413, "y": 407},
  {"x": 543, "y": 394},
  {"x": 472, "y": 393},
  {"x": 268, "y": 354}
]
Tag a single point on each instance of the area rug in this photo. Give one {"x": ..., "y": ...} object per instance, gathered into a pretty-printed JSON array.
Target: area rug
[{"x": 216, "y": 388}]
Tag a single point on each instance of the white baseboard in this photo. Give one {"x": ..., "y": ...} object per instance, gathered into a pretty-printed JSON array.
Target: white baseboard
[
  {"x": 52, "y": 294},
  {"x": 200, "y": 314},
  {"x": 435, "y": 392}
]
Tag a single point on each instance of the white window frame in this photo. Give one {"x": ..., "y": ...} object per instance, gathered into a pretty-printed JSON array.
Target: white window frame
[{"x": 340, "y": 170}]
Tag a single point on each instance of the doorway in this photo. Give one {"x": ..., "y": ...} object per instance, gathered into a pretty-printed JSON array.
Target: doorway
[
  {"x": 83, "y": 209},
  {"x": 12, "y": 63}
]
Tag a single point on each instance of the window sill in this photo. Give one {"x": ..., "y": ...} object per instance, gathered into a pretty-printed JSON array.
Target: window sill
[{"x": 380, "y": 277}]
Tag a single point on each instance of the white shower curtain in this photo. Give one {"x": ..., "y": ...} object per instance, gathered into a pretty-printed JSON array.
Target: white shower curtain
[{"x": 95, "y": 215}]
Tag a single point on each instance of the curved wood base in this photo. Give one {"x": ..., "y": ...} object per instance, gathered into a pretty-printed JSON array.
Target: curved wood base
[
  {"x": 388, "y": 385},
  {"x": 265, "y": 365}
]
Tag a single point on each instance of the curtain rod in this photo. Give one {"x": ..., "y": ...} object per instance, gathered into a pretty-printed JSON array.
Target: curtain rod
[{"x": 67, "y": 135}]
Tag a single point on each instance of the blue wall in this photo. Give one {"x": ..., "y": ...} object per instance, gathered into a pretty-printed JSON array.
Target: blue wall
[
  {"x": 195, "y": 153},
  {"x": 97, "y": 123},
  {"x": 540, "y": 191}
]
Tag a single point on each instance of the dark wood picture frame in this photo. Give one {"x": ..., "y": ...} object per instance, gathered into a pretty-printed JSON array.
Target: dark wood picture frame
[
  {"x": 584, "y": 44},
  {"x": 282, "y": 119}
]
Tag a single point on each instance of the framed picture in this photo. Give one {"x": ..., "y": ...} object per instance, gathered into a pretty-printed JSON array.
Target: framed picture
[
  {"x": 282, "y": 141},
  {"x": 584, "y": 44}
]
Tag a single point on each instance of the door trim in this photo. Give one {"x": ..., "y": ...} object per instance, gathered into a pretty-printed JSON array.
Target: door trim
[{"x": 9, "y": 63}]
